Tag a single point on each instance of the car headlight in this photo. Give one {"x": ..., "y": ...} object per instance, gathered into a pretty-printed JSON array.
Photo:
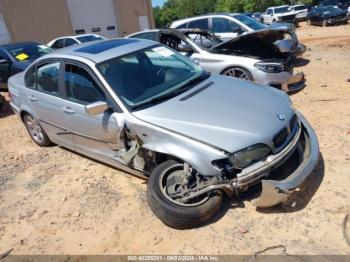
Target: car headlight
[
  {"x": 249, "y": 155},
  {"x": 269, "y": 67}
]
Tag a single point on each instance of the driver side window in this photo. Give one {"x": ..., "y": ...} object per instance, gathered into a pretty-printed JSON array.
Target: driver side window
[
  {"x": 223, "y": 25},
  {"x": 80, "y": 86}
]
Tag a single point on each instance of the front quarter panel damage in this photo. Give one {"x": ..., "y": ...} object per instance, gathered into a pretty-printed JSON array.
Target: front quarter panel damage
[{"x": 196, "y": 154}]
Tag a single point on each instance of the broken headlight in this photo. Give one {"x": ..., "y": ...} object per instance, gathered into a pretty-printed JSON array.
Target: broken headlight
[
  {"x": 249, "y": 155},
  {"x": 270, "y": 67}
]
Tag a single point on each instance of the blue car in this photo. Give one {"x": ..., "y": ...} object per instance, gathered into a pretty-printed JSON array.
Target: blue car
[{"x": 15, "y": 58}]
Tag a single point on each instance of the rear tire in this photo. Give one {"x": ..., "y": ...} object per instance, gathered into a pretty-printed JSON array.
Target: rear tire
[
  {"x": 179, "y": 216},
  {"x": 2, "y": 101},
  {"x": 36, "y": 132}
]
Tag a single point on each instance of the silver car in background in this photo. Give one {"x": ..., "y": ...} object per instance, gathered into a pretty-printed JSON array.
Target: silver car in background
[
  {"x": 144, "y": 108},
  {"x": 230, "y": 25},
  {"x": 270, "y": 64}
]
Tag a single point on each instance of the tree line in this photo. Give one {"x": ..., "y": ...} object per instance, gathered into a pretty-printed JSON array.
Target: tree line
[{"x": 178, "y": 9}]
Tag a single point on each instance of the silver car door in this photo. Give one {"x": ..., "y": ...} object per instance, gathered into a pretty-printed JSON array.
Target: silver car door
[
  {"x": 96, "y": 136},
  {"x": 45, "y": 98}
]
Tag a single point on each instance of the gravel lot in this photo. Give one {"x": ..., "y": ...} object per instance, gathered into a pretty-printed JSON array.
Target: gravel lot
[{"x": 53, "y": 201}]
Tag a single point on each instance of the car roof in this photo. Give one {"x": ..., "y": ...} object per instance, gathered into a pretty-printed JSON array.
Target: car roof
[
  {"x": 19, "y": 44},
  {"x": 204, "y": 16},
  {"x": 99, "y": 51},
  {"x": 279, "y": 6},
  {"x": 74, "y": 36}
]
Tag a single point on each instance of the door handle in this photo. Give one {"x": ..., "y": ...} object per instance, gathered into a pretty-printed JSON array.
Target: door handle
[
  {"x": 33, "y": 98},
  {"x": 68, "y": 110}
]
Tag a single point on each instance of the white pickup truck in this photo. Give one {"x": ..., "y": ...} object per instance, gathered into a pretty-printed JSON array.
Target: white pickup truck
[{"x": 278, "y": 14}]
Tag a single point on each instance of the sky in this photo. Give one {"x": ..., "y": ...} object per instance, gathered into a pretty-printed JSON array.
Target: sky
[{"x": 158, "y": 2}]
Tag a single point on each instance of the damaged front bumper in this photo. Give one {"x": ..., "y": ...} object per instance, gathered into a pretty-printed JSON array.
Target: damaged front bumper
[
  {"x": 295, "y": 83},
  {"x": 277, "y": 191},
  {"x": 288, "y": 82}
]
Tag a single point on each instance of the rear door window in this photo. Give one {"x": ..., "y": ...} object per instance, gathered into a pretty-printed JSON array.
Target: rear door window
[
  {"x": 223, "y": 25},
  {"x": 47, "y": 79},
  {"x": 200, "y": 23}
]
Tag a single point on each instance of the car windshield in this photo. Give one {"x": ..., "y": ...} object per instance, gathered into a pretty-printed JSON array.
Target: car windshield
[
  {"x": 300, "y": 7},
  {"x": 147, "y": 75},
  {"x": 28, "y": 52},
  {"x": 279, "y": 10},
  {"x": 89, "y": 38},
  {"x": 250, "y": 22},
  {"x": 328, "y": 9}
]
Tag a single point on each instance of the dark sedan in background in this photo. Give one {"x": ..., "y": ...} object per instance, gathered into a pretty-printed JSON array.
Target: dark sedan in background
[
  {"x": 342, "y": 4},
  {"x": 15, "y": 58},
  {"x": 327, "y": 15}
]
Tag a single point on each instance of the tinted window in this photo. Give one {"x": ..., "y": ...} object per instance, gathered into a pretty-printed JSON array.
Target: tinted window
[
  {"x": 300, "y": 7},
  {"x": 269, "y": 11},
  {"x": 70, "y": 41},
  {"x": 88, "y": 38},
  {"x": 30, "y": 77},
  {"x": 284, "y": 9},
  {"x": 80, "y": 86},
  {"x": 47, "y": 78},
  {"x": 58, "y": 44},
  {"x": 201, "y": 23},
  {"x": 149, "y": 36},
  {"x": 223, "y": 25}
]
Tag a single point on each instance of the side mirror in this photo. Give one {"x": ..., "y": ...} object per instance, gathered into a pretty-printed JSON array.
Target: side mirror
[
  {"x": 96, "y": 108},
  {"x": 4, "y": 61}
]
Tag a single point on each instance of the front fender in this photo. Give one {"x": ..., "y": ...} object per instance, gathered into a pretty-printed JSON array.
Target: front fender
[{"x": 195, "y": 153}]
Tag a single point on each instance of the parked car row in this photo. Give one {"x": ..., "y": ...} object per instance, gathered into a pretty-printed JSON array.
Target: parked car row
[
  {"x": 158, "y": 104},
  {"x": 271, "y": 64},
  {"x": 329, "y": 12}
]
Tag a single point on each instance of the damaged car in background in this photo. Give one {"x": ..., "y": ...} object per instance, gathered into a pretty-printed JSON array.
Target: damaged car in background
[
  {"x": 148, "y": 110},
  {"x": 270, "y": 64},
  {"x": 230, "y": 25}
]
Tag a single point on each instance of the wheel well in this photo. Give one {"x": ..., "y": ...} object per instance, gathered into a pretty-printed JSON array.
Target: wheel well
[{"x": 22, "y": 114}]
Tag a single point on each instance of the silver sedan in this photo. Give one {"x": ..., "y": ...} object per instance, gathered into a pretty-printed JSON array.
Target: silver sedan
[{"x": 146, "y": 109}]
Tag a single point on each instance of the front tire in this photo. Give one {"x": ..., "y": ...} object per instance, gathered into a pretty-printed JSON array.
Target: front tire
[
  {"x": 36, "y": 132},
  {"x": 171, "y": 213},
  {"x": 238, "y": 72}
]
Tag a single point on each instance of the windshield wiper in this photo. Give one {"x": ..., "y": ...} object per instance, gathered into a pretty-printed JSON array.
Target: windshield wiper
[{"x": 185, "y": 87}]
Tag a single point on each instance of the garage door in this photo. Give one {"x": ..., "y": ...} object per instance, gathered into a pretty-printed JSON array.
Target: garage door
[
  {"x": 93, "y": 16},
  {"x": 4, "y": 33}
]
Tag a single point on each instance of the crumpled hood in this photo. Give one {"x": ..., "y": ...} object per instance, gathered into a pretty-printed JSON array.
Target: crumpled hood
[
  {"x": 226, "y": 113},
  {"x": 272, "y": 42}
]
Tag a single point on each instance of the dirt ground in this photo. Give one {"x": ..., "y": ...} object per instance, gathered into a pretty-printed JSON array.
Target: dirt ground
[{"x": 53, "y": 201}]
